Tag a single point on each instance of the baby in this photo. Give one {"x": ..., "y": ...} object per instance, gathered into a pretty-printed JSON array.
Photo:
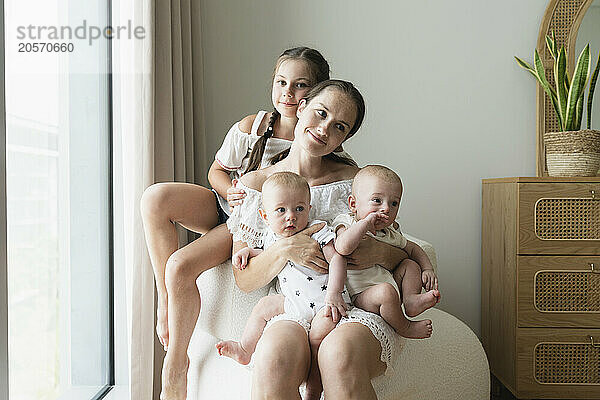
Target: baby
[
  {"x": 286, "y": 205},
  {"x": 374, "y": 203}
]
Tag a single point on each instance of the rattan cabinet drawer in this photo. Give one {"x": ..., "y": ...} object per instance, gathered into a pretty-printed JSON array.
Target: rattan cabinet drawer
[
  {"x": 559, "y": 218},
  {"x": 558, "y": 363},
  {"x": 558, "y": 291}
]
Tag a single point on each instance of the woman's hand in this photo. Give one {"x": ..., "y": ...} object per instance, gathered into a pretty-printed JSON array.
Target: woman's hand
[
  {"x": 371, "y": 251},
  {"x": 304, "y": 250},
  {"x": 235, "y": 196}
]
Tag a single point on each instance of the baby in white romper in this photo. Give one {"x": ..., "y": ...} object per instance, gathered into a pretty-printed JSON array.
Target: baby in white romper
[
  {"x": 374, "y": 203},
  {"x": 301, "y": 290}
]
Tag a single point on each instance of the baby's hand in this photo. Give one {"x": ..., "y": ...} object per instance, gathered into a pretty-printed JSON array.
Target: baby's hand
[
  {"x": 430, "y": 280},
  {"x": 335, "y": 306},
  {"x": 376, "y": 217},
  {"x": 240, "y": 258},
  {"x": 235, "y": 196}
]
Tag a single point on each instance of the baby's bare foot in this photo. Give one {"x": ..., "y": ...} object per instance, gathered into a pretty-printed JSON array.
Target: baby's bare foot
[
  {"x": 417, "y": 329},
  {"x": 162, "y": 326},
  {"x": 174, "y": 379},
  {"x": 234, "y": 350},
  {"x": 417, "y": 303}
]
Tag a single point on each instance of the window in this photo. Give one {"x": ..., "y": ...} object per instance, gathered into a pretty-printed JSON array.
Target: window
[{"x": 58, "y": 205}]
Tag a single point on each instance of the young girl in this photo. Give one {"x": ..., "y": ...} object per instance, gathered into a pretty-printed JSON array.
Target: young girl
[{"x": 249, "y": 145}]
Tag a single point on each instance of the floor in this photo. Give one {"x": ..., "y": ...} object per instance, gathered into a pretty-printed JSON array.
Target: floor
[{"x": 499, "y": 392}]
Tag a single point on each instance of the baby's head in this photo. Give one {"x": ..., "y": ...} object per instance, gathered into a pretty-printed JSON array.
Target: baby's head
[
  {"x": 285, "y": 203},
  {"x": 376, "y": 188}
]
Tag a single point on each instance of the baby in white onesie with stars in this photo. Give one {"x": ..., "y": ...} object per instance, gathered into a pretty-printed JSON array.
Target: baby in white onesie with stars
[{"x": 302, "y": 291}]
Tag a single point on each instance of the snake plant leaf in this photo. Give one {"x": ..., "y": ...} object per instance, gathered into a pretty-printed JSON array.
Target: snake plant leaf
[
  {"x": 525, "y": 65},
  {"x": 541, "y": 75},
  {"x": 591, "y": 92},
  {"x": 560, "y": 73},
  {"x": 547, "y": 88},
  {"x": 578, "y": 114},
  {"x": 582, "y": 71},
  {"x": 551, "y": 44}
]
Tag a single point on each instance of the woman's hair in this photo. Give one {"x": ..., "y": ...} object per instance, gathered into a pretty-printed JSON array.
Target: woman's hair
[
  {"x": 319, "y": 71},
  {"x": 352, "y": 92}
]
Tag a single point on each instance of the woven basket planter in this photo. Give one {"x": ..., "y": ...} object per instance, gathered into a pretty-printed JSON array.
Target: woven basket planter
[{"x": 573, "y": 153}]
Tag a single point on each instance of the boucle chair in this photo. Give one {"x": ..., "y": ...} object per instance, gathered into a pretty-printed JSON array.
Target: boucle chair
[{"x": 449, "y": 365}]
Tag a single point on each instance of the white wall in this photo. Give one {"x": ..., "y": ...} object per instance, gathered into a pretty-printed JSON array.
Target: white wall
[{"x": 447, "y": 104}]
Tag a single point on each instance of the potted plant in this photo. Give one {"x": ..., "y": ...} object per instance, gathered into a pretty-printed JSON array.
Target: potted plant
[{"x": 571, "y": 151}]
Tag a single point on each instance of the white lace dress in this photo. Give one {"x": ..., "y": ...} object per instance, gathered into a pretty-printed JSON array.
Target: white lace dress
[{"x": 327, "y": 201}]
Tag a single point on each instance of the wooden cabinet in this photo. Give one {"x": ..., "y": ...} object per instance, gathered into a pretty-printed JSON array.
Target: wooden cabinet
[{"x": 540, "y": 285}]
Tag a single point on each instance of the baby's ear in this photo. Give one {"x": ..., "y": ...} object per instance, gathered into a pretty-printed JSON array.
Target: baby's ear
[
  {"x": 263, "y": 214},
  {"x": 352, "y": 203}
]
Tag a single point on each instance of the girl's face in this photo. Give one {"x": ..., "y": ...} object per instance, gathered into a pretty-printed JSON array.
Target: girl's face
[
  {"x": 290, "y": 84},
  {"x": 324, "y": 123}
]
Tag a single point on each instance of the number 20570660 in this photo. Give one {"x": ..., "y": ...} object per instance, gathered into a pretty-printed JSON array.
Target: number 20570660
[{"x": 46, "y": 47}]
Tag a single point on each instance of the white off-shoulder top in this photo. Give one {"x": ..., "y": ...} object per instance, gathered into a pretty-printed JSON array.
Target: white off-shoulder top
[{"x": 327, "y": 201}]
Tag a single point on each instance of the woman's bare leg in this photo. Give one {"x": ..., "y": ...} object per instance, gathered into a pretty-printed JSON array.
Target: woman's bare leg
[
  {"x": 281, "y": 362},
  {"x": 349, "y": 357},
  {"x": 183, "y": 267},
  {"x": 162, "y": 205}
]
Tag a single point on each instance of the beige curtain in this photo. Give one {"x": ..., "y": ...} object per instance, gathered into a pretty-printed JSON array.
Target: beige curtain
[{"x": 158, "y": 114}]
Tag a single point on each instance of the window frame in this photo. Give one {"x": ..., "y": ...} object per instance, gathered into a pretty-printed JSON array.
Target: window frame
[
  {"x": 3, "y": 243},
  {"x": 4, "y": 361}
]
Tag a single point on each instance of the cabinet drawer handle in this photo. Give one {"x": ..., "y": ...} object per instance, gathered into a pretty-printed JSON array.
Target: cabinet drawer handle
[
  {"x": 594, "y": 270},
  {"x": 594, "y": 344},
  {"x": 593, "y": 193}
]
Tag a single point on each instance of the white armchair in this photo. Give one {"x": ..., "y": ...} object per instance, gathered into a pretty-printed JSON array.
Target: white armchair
[{"x": 449, "y": 365}]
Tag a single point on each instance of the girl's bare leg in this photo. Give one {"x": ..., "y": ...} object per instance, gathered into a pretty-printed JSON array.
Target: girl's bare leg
[
  {"x": 349, "y": 357},
  {"x": 183, "y": 267},
  {"x": 263, "y": 311},
  {"x": 162, "y": 205},
  {"x": 383, "y": 299},
  {"x": 281, "y": 362},
  {"x": 408, "y": 276}
]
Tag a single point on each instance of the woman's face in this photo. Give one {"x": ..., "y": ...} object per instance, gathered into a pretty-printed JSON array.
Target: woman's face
[
  {"x": 324, "y": 123},
  {"x": 290, "y": 85}
]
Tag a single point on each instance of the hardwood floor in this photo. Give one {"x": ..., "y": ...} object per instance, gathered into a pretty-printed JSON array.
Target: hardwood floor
[{"x": 499, "y": 392}]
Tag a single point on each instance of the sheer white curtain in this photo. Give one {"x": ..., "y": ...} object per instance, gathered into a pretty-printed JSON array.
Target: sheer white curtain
[{"x": 159, "y": 136}]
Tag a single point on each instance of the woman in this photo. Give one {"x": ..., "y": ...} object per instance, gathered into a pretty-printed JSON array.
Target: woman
[{"x": 352, "y": 353}]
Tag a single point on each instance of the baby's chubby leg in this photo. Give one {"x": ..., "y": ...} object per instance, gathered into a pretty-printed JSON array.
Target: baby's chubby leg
[
  {"x": 320, "y": 327},
  {"x": 408, "y": 276},
  {"x": 263, "y": 311},
  {"x": 383, "y": 299}
]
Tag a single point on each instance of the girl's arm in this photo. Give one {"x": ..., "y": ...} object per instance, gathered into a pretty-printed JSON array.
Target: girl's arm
[
  {"x": 219, "y": 179},
  {"x": 261, "y": 270}
]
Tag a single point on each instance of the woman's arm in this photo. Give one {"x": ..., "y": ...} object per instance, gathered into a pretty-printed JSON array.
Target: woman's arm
[
  {"x": 416, "y": 253},
  {"x": 372, "y": 251},
  {"x": 261, "y": 270}
]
